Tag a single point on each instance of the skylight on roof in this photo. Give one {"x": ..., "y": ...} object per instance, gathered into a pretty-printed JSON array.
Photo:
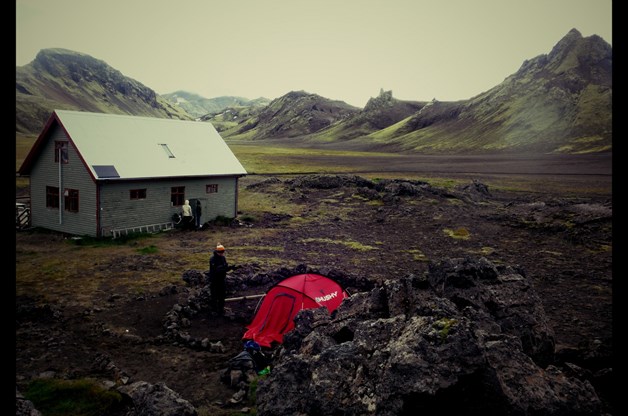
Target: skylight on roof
[{"x": 167, "y": 150}]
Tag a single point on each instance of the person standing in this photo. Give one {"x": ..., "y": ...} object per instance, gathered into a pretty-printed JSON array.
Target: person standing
[
  {"x": 188, "y": 217},
  {"x": 218, "y": 268},
  {"x": 197, "y": 213}
]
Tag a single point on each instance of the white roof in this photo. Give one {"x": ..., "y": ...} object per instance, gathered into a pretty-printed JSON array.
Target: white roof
[{"x": 134, "y": 146}]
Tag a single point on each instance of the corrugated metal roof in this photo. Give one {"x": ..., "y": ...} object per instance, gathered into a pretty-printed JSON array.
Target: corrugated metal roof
[{"x": 133, "y": 146}]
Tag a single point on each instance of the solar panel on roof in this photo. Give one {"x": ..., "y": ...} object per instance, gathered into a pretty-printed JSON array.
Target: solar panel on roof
[{"x": 106, "y": 171}]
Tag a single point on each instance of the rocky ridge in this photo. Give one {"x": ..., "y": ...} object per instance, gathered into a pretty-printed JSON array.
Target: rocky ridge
[{"x": 469, "y": 338}]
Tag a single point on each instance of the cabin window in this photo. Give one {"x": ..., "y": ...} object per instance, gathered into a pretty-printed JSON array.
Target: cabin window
[
  {"x": 71, "y": 200},
  {"x": 52, "y": 197},
  {"x": 61, "y": 150},
  {"x": 167, "y": 150},
  {"x": 212, "y": 188},
  {"x": 177, "y": 195},
  {"x": 138, "y": 193}
]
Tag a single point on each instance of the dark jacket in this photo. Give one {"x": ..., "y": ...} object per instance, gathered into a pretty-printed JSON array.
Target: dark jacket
[
  {"x": 218, "y": 268},
  {"x": 248, "y": 360}
]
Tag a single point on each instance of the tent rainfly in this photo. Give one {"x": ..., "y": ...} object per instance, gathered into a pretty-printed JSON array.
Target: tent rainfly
[{"x": 283, "y": 301}]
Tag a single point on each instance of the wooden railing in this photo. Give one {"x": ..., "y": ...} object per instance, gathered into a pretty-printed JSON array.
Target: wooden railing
[
  {"x": 22, "y": 216},
  {"x": 150, "y": 228}
]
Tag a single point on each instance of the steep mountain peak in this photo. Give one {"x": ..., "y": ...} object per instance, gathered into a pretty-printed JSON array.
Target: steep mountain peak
[
  {"x": 587, "y": 58},
  {"x": 82, "y": 68},
  {"x": 384, "y": 99},
  {"x": 573, "y": 40},
  {"x": 64, "y": 79},
  {"x": 559, "y": 102},
  {"x": 52, "y": 52},
  {"x": 385, "y": 94},
  {"x": 295, "y": 95},
  {"x": 565, "y": 47},
  {"x": 297, "y": 113},
  {"x": 570, "y": 38}
]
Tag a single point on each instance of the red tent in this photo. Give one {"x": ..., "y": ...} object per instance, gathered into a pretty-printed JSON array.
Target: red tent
[{"x": 276, "y": 315}]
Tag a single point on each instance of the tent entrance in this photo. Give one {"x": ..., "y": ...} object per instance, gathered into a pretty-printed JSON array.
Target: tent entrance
[{"x": 278, "y": 316}]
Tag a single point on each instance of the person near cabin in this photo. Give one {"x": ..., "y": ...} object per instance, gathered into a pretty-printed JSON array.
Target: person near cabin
[
  {"x": 197, "y": 214},
  {"x": 218, "y": 268},
  {"x": 188, "y": 216}
]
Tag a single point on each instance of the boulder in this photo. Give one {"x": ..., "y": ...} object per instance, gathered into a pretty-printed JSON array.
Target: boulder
[{"x": 468, "y": 338}]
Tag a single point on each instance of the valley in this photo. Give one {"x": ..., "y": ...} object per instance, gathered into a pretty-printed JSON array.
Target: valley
[{"x": 75, "y": 303}]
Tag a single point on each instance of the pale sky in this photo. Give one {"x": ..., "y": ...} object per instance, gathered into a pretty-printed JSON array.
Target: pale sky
[{"x": 340, "y": 49}]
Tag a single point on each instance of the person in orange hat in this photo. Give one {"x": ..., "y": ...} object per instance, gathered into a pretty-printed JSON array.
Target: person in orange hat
[{"x": 218, "y": 268}]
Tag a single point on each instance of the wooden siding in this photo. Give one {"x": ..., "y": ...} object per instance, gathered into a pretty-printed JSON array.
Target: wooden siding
[
  {"x": 119, "y": 211},
  {"x": 45, "y": 172}
]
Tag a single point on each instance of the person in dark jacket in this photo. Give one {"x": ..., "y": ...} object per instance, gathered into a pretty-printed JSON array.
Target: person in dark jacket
[
  {"x": 218, "y": 268},
  {"x": 197, "y": 214},
  {"x": 242, "y": 368}
]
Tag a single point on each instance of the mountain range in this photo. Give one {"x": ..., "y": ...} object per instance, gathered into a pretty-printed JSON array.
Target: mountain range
[
  {"x": 555, "y": 102},
  {"x": 67, "y": 80},
  {"x": 198, "y": 106}
]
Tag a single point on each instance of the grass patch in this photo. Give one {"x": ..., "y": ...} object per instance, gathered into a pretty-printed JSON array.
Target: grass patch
[
  {"x": 39, "y": 270},
  {"x": 21, "y": 183},
  {"x": 375, "y": 202},
  {"x": 265, "y": 159},
  {"x": 443, "y": 326},
  {"x": 53, "y": 397},
  {"x": 255, "y": 204},
  {"x": 601, "y": 248},
  {"x": 348, "y": 243},
  {"x": 53, "y": 268},
  {"x": 360, "y": 198},
  {"x": 272, "y": 263},
  {"x": 600, "y": 289},
  {"x": 458, "y": 234},
  {"x": 484, "y": 251},
  {"x": 267, "y": 248},
  {"x": 221, "y": 220},
  {"x": 23, "y": 144},
  {"x": 455, "y": 201},
  {"x": 446, "y": 183},
  {"x": 298, "y": 221},
  {"x": 248, "y": 218},
  {"x": 253, "y": 388},
  {"x": 487, "y": 251},
  {"x": 87, "y": 240},
  {"x": 417, "y": 255},
  {"x": 553, "y": 253},
  {"x": 148, "y": 250}
]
